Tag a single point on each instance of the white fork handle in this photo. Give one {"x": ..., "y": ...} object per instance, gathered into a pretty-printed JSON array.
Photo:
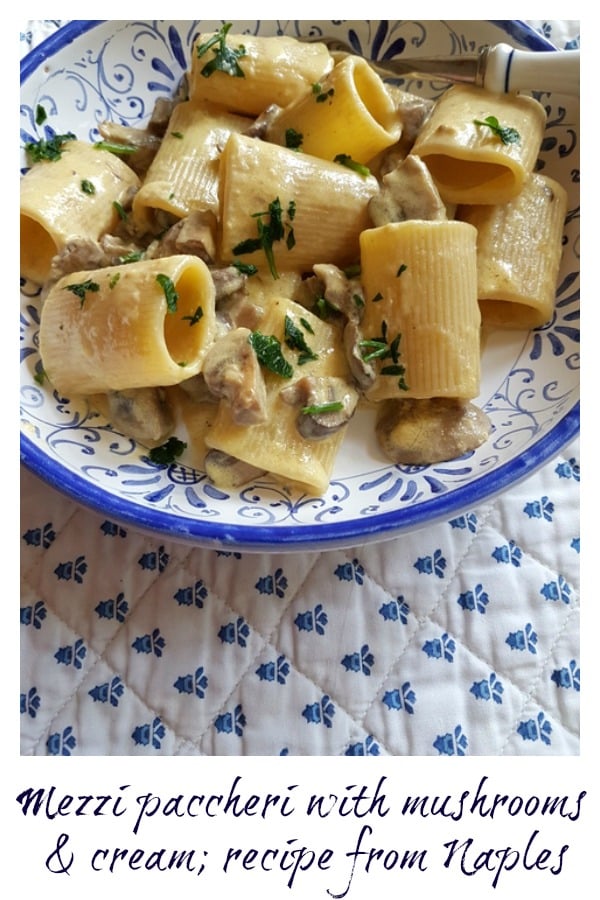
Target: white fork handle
[{"x": 510, "y": 70}]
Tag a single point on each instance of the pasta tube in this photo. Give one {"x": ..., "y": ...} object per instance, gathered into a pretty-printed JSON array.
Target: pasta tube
[
  {"x": 519, "y": 248},
  {"x": 480, "y": 147},
  {"x": 276, "y": 445},
  {"x": 141, "y": 324},
  {"x": 271, "y": 70},
  {"x": 184, "y": 174},
  {"x": 350, "y": 113},
  {"x": 324, "y": 205},
  {"x": 421, "y": 322},
  {"x": 75, "y": 195}
]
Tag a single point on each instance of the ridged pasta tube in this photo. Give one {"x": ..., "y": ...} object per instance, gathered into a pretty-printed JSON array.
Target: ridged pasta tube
[
  {"x": 474, "y": 162},
  {"x": 519, "y": 248},
  {"x": 275, "y": 70},
  {"x": 350, "y": 113},
  {"x": 421, "y": 316},
  {"x": 330, "y": 203},
  {"x": 141, "y": 324},
  {"x": 184, "y": 174},
  {"x": 276, "y": 445},
  {"x": 70, "y": 197}
]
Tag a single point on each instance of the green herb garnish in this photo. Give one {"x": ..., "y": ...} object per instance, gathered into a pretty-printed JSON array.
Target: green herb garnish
[
  {"x": 120, "y": 210},
  {"x": 295, "y": 340},
  {"x": 193, "y": 320},
  {"x": 401, "y": 269},
  {"x": 171, "y": 295},
  {"x": 320, "y": 409},
  {"x": 81, "y": 289},
  {"x": 40, "y": 114},
  {"x": 320, "y": 95},
  {"x": 245, "y": 268},
  {"x": 268, "y": 351},
  {"x": 269, "y": 232},
  {"x": 47, "y": 149},
  {"x": 350, "y": 163},
  {"x": 225, "y": 58},
  {"x": 380, "y": 348},
  {"x": 293, "y": 139},
  {"x": 168, "y": 452},
  {"x": 87, "y": 187},
  {"x": 114, "y": 147},
  {"x": 506, "y": 134}
]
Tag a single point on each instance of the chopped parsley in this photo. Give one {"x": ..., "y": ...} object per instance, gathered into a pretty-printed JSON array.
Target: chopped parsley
[
  {"x": 506, "y": 134},
  {"x": 350, "y": 163},
  {"x": 268, "y": 351},
  {"x": 293, "y": 139},
  {"x": 177, "y": 134},
  {"x": 168, "y": 452},
  {"x": 171, "y": 295},
  {"x": 320, "y": 95},
  {"x": 114, "y": 280},
  {"x": 319, "y": 409},
  {"x": 402, "y": 268},
  {"x": 380, "y": 348},
  {"x": 193, "y": 320},
  {"x": 48, "y": 148},
  {"x": 295, "y": 340},
  {"x": 225, "y": 58},
  {"x": 115, "y": 147},
  {"x": 81, "y": 289},
  {"x": 40, "y": 114},
  {"x": 87, "y": 187},
  {"x": 120, "y": 210},
  {"x": 133, "y": 256},
  {"x": 269, "y": 232},
  {"x": 245, "y": 268}
]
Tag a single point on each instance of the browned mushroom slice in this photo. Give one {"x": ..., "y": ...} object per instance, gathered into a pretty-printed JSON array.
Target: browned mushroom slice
[
  {"x": 227, "y": 472},
  {"x": 327, "y": 404},
  {"x": 141, "y": 413},
  {"x": 362, "y": 370},
  {"x": 142, "y": 144},
  {"x": 343, "y": 293},
  {"x": 407, "y": 192},
  {"x": 232, "y": 371},
  {"x": 415, "y": 432},
  {"x": 193, "y": 235}
]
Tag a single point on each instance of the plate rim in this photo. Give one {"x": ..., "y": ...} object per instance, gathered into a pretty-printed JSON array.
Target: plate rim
[{"x": 259, "y": 537}]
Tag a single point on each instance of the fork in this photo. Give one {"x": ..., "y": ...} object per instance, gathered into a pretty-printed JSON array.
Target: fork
[{"x": 499, "y": 68}]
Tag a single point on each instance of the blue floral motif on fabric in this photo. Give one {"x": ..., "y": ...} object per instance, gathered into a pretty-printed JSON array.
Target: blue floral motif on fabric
[
  {"x": 109, "y": 692},
  {"x": 567, "y": 677},
  {"x": 557, "y": 590},
  {"x": 312, "y": 620},
  {"x": 113, "y": 609},
  {"x": 401, "y": 698},
  {"x": 40, "y": 537},
  {"x": 33, "y": 615},
  {"x": 538, "y": 729},
  {"x": 454, "y": 744},
  {"x": 525, "y": 639},
  {"x": 320, "y": 712},
  {"x": 488, "y": 689},
  {"x": 236, "y": 632},
  {"x": 150, "y": 643},
  {"x": 368, "y": 747},
  {"x": 112, "y": 529},
  {"x": 274, "y": 670},
  {"x": 474, "y": 601},
  {"x": 72, "y": 655},
  {"x": 360, "y": 661},
  {"x": 440, "y": 648},
  {"x": 192, "y": 595},
  {"x": 231, "y": 722},
  {"x": 468, "y": 521},
  {"x": 395, "y": 610},
  {"x": 350, "y": 571},
  {"x": 431, "y": 565},
  {"x": 72, "y": 569},
  {"x": 61, "y": 744},
  {"x": 193, "y": 683},
  {"x": 539, "y": 509},
  {"x": 154, "y": 559},
  {"x": 273, "y": 584},
  {"x": 150, "y": 734},
  {"x": 508, "y": 553},
  {"x": 30, "y": 702}
]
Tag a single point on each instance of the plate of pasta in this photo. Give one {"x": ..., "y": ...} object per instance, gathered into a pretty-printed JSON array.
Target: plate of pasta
[{"x": 274, "y": 299}]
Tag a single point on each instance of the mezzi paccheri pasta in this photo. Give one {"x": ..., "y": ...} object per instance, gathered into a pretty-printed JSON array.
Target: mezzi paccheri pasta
[{"x": 288, "y": 239}]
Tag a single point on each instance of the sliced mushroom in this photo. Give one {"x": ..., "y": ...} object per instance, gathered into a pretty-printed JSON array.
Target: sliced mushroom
[
  {"x": 343, "y": 293},
  {"x": 407, "y": 192},
  {"x": 141, "y": 413},
  {"x": 363, "y": 372},
  {"x": 415, "y": 432},
  {"x": 327, "y": 404},
  {"x": 143, "y": 143},
  {"x": 227, "y": 472},
  {"x": 232, "y": 371},
  {"x": 260, "y": 127},
  {"x": 193, "y": 235},
  {"x": 78, "y": 255}
]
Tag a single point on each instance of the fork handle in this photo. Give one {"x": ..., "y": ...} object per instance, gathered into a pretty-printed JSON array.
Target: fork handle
[{"x": 507, "y": 70}]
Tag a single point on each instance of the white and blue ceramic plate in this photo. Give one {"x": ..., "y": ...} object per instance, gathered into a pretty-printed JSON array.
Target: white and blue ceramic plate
[{"x": 89, "y": 71}]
